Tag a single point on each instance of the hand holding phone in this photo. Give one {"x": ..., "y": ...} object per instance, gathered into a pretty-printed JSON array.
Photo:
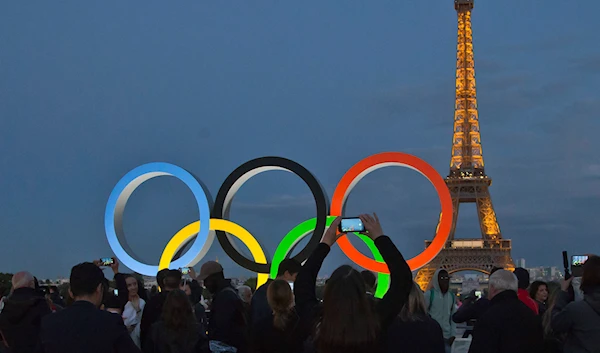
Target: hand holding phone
[
  {"x": 106, "y": 261},
  {"x": 353, "y": 224},
  {"x": 184, "y": 270},
  {"x": 577, "y": 262}
]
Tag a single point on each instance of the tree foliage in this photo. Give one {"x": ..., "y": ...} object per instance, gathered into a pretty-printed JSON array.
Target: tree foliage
[{"x": 5, "y": 283}]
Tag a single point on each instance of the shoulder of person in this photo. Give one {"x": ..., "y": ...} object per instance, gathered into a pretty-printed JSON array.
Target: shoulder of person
[{"x": 229, "y": 293}]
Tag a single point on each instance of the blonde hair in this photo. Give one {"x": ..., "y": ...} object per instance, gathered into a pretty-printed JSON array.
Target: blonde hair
[
  {"x": 280, "y": 299},
  {"x": 414, "y": 308}
]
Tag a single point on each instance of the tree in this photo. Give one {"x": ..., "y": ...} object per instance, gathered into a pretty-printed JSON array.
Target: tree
[
  {"x": 5, "y": 283},
  {"x": 251, "y": 282},
  {"x": 48, "y": 282}
]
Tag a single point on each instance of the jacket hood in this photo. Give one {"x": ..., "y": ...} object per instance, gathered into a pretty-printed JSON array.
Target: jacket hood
[
  {"x": 435, "y": 280},
  {"x": 593, "y": 299},
  {"x": 15, "y": 310}
]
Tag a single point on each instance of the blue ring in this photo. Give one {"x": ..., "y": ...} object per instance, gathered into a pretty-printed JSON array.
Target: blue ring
[{"x": 113, "y": 217}]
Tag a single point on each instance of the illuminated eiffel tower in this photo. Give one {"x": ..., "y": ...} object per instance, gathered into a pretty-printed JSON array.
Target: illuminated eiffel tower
[{"x": 467, "y": 180}]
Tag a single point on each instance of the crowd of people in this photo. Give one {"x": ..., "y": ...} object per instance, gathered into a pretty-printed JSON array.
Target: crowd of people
[{"x": 285, "y": 315}]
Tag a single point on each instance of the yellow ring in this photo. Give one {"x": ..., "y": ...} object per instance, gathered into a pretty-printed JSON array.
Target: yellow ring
[{"x": 188, "y": 232}]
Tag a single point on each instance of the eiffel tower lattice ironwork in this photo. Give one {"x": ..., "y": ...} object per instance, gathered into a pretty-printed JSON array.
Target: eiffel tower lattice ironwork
[{"x": 467, "y": 180}]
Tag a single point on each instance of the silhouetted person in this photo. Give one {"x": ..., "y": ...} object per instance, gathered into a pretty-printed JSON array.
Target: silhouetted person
[
  {"x": 523, "y": 278},
  {"x": 259, "y": 307},
  {"x": 227, "y": 321},
  {"x": 347, "y": 320},
  {"x": 177, "y": 331},
  {"x": 441, "y": 305},
  {"x": 279, "y": 332},
  {"x": 23, "y": 310},
  {"x": 83, "y": 327},
  {"x": 169, "y": 281},
  {"x": 580, "y": 320},
  {"x": 508, "y": 326}
]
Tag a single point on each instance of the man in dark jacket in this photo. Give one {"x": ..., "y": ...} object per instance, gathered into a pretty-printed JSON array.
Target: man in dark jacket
[
  {"x": 83, "y": 327},
  {"x": 168, "y": 280},
  {"x": 508, "y": 326},
  {"x": 21, "y": 317},
  {"x": 259, "y": 307},
  {"x": 227, "y": 322}
]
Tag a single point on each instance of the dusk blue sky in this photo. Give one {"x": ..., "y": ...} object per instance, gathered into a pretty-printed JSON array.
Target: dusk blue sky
[{"x": 90, "y": 90}]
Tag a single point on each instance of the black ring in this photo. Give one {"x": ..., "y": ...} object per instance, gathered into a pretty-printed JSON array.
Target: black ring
[{"x": 275, "y": 162}]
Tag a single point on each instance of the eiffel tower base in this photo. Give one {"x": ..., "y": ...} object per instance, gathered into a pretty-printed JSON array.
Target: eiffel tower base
[{"x": 465, "y": 259}]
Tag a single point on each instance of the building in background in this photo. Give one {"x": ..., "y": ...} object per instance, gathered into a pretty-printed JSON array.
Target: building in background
[{"x": 520, "y": 263}]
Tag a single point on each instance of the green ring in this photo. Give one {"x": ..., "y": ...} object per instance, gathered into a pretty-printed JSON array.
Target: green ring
[{"x": 305, "y": 228}]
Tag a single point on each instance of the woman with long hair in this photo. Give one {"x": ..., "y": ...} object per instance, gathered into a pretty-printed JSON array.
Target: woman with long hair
[
  {"x": 178, "y": 331},
  {"x": 553, "y": 342},
  {"x": 580, "y": 320},
  {"x": 538, "y": 291},
  {"x": 347, "y": 321},
  {"x": 278, "y": 333},
  {"x": 413, "y": 330},
  {"x": 132, "y": 312}
]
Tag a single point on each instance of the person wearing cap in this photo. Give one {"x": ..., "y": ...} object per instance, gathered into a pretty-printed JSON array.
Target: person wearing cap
[
  {"x": 169, "y": 281},
  {"x": 227, "y": 321}
]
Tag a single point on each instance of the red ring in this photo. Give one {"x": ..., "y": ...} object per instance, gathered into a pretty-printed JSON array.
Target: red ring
[{"x": 377, "y": 161}]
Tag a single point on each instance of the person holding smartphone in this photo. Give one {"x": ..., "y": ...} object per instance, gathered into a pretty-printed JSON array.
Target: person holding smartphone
[
  {"x": 347, "y": 321},
  {"x": 580, "y": 320}
]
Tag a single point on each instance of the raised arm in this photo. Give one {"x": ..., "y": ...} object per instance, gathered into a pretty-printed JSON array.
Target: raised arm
[
  {"x": 562, "y": 320},
  {"x": 401, "y": 278},
  {"x": 305, "y": 284}
]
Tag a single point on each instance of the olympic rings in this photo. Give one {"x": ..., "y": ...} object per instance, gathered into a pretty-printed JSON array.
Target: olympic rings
[
  {"x": 381, "y": 160},
  {"x": 242, "y": 174},
  {"x": 204, "y": 230}
]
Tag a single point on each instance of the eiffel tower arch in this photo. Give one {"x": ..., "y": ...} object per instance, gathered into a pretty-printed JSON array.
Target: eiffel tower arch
[{"x": 467, "y": 180}]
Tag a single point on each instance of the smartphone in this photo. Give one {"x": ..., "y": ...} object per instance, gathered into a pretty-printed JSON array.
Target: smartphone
[
  {"x": 478, "y": 294},
  {"x": 116, "y": 292},
  {"x": 107, "y": 261},
  {"x": 577, "y": 262},
  {"x": 184, "y": 270},
  {"x": 351, "y": 225}
]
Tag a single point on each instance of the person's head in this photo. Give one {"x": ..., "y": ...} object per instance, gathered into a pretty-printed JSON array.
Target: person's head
[
  {"x": 522, "y": 276},
  {"x": 23, "y": 279},
  {"x": 443, "y": 280},
  {"x": 370, "y": 280},
  {"x": 185, "y": 287},
  {"x": 348, "y": 322},
  {"x": 160, "y": 277},
  {"x": 281, "y": 301},
  {"x": 132, "y": 285},
  {"x": 113, "y": 304},
  {"x": 590, "y": 280},
  {"x": 288, "y": 270},
  {"x": 414, "y": 308},
  {"x": 211, "y": 273},
  {"x": 153, "y": 290},
  {"x": 539, "y": 291},
  {"x": 87, "y": 283},
  {"x": 246, "y": 293},
  {"x": 501, "y": 281},
  {"x": 494, "y": 269},
  {"x": 177, "y": 311},
  {"x": 171, "y": 280}
]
